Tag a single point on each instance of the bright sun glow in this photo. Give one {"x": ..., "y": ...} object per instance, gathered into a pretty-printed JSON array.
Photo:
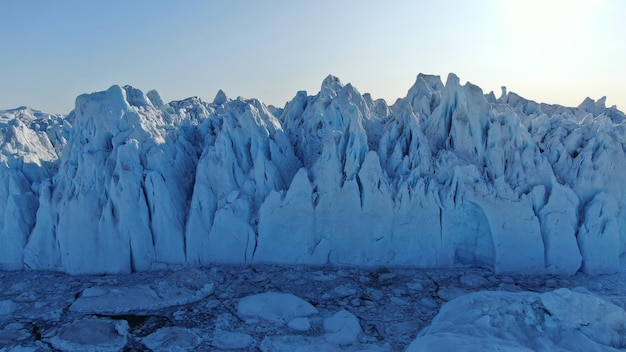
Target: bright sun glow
[{"x": 545, "y": 21}]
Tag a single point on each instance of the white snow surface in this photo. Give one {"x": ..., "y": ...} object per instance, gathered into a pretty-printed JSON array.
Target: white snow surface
[{"x": 446, "y": 176}]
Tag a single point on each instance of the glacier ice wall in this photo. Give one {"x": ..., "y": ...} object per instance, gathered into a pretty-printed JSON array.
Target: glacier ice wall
[
  {"x": 446, "y": 176},
  {"x": 30, "y": 144}
]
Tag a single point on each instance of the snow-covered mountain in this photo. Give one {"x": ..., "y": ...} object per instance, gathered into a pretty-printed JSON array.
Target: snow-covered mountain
[{"x": 446, "y": 176}]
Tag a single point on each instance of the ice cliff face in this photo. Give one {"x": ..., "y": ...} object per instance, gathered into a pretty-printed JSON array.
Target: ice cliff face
[
  {"x": 30, "y": 144},
  {"x": 445, "y": 176}
]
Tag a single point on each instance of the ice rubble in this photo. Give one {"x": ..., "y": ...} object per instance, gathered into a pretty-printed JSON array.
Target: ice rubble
[
  {"x": 560, "y": 320},
  {"x": 92, "y": 334},
  {"x": 173, "y": 339},
  {"x": 342, "y": 329},
  {"x": 445, "y": 176},
  {"x": 180, "y": 288},
  {"x": 275, "y": 307},
  {"x": 308, "y": 308}
]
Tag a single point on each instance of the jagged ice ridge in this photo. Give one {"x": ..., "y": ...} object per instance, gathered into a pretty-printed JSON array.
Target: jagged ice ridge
[{"x": 446, "y": 176}]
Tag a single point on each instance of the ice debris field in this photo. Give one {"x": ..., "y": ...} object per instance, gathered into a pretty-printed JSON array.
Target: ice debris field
[
  {"x": 448, "y": 177},
  {"x": 271, "y": 308}
]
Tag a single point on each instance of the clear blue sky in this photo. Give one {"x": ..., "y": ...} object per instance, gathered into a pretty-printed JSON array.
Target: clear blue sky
[{"x": 555, "y": 51}]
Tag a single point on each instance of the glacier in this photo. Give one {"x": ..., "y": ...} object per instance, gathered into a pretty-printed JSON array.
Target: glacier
[{"x": 446, "y": 176}]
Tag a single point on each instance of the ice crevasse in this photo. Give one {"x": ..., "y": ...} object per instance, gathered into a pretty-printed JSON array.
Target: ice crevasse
[{"x": 445, "y": 176}]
